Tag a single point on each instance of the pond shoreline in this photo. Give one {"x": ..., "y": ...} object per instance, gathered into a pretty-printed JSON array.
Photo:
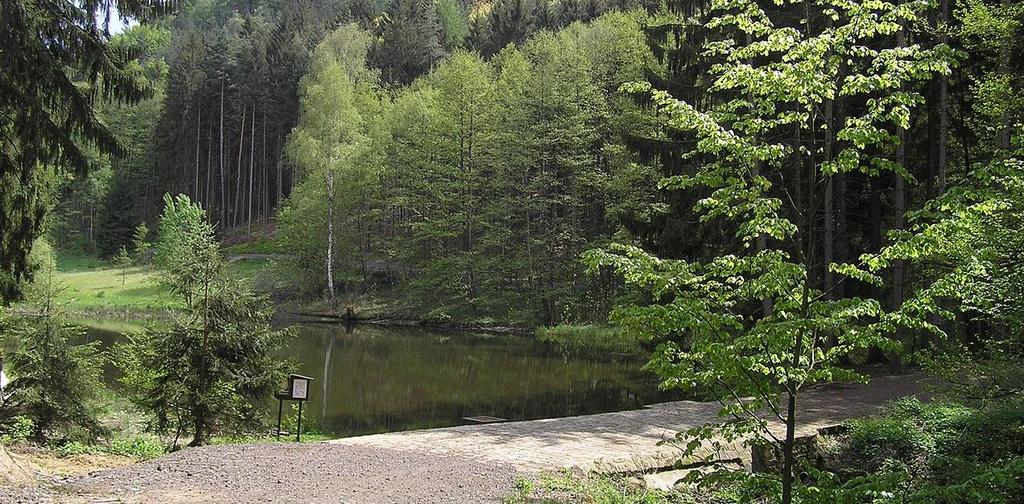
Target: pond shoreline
[
  {"x": 128, "y": 313},
  {"x": 385, "y": 321}
]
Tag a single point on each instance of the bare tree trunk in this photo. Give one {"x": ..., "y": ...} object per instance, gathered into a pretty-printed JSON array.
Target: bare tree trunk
[
  {"x": 195, "y": 178},
  {"x": 238, "y": 173},
  {"x": 265, "y": 184},
  {"x": 1005, "y": 135},
  {"x": 223, "y": 198},
  {"x": 252, "y": 159},
  {"x": 330, "y": 237},
  {"x": 942, "y": 141},
  {"x": 280, "y": 170},
  {"x": 940, "y": 172},
  {"x": 209, "y": 157}
]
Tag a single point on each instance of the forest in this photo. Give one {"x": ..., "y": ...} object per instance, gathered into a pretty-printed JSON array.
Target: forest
[
  {"x": 431, "y": 205},
  {"x": 523, "y": 154},
  {"x": 759, "y": 197}
]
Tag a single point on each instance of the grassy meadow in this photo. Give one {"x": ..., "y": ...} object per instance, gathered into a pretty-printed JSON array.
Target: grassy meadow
[{"x": 94, "y": 285}]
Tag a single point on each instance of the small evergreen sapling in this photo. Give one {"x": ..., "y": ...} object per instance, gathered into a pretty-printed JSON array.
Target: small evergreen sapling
[
  {"x": 140, "y": 243},
  {"x": 123, "y": 261},
  {"x": 214, "y": 367},
  {"x": 54, "y": 383}
]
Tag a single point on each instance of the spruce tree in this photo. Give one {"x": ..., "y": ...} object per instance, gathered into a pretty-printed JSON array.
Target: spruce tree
[
  {"x": 44, "y": 46},
  {"x": 214, "y": 367}
]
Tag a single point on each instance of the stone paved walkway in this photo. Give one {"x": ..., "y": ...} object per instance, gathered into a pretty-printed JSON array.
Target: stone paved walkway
[{"x": 628, "y": 440}]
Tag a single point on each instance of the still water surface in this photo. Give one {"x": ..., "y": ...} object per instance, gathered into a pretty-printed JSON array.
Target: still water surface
[{"x": 379, "y": 379}]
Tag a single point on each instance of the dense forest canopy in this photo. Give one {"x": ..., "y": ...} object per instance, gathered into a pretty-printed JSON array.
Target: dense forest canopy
[{"x": 468, "y": 153}]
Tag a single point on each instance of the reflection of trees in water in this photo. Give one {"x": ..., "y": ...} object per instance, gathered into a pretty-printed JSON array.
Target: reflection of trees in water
[
  {"x": 331, "y": 337},
  {"x": 401, "y": 378},
  {"x": 374, "y": 379},
  {"x": 324, "y": 380}
]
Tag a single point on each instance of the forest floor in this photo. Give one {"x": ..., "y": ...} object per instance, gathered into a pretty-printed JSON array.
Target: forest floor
[{"x": 477, "y": 463}]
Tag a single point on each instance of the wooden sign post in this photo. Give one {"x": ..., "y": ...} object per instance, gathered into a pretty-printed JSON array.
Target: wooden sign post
[{"x": 297, "y": 390}]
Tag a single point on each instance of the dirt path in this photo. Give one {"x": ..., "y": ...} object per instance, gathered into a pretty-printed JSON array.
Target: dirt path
[{"x": 477, "y": 463}]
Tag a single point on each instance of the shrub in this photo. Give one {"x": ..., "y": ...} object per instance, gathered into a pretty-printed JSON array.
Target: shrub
[
  {"x": 72, "y": 448},
  {"x": 876, "y": 440},
  {"x": 995, "y": 433},
  {"x": 140, "y": 447},
  {"x": 17, "y": 429},
  {"x": 930, "y": 453}
]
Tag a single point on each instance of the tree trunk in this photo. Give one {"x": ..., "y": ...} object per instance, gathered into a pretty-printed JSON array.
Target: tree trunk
[
  {"x": 209, "y": 156},
  {"x": 265, "y": 184},
  {"x": 198, "y": 427},
  {"x": 252, "y": 159},
  {"x": 238, "y": 173},
  {"x": 223, "y": 198},
  {"x": 195, "y": 178},
  {"x": 13, "y": 473},
  {"x": 899, "y": 209},
  {"x": 829, "y": 240},
  {"x": 280, "y": 170},
  {"x": 330, "y": 237},
  {"x": 1005, "y": 134}
]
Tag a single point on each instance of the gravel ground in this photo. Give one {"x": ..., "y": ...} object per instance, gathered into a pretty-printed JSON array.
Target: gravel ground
[
  {"x": 453, "y": 465},
  {"x": 24, "y": 495},
  {"x": 314, "y": 473}
]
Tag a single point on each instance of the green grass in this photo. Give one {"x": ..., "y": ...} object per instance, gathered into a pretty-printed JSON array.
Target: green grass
[
  {"x": 565, "y": 487},
  {"x": 250, "y": 269},
  {"x": 590, "y": 337},
  {"x": 139, "y": 447},
  {"x": 92, "y": 285}
]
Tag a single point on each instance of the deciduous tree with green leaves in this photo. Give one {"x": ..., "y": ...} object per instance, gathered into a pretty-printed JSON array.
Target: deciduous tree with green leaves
[{"x": 801, "y": 92}]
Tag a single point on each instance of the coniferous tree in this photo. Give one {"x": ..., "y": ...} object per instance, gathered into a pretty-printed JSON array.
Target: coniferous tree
[
  {"x": 410, "y": 41},
  {"x": 212, "y": 369},
  {"x": 43, "y": 47},
  {"x": 116, "y": 222},
  {"x": 56, "y": 383}
]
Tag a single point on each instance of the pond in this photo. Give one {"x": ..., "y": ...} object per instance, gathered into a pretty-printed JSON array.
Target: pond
[{"x": 372, "y": 379}]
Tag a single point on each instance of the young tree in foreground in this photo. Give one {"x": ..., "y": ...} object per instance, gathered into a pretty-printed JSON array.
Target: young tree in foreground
[
  {"x": 55, "y": 383},
  {"x": 214, "y": 367},
  {"x": 758, "y": 324}
]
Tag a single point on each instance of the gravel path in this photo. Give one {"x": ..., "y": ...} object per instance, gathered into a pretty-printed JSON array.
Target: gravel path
[
  {"x": 310, "y": 472},
  {"x": 468, "y": 464}
]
